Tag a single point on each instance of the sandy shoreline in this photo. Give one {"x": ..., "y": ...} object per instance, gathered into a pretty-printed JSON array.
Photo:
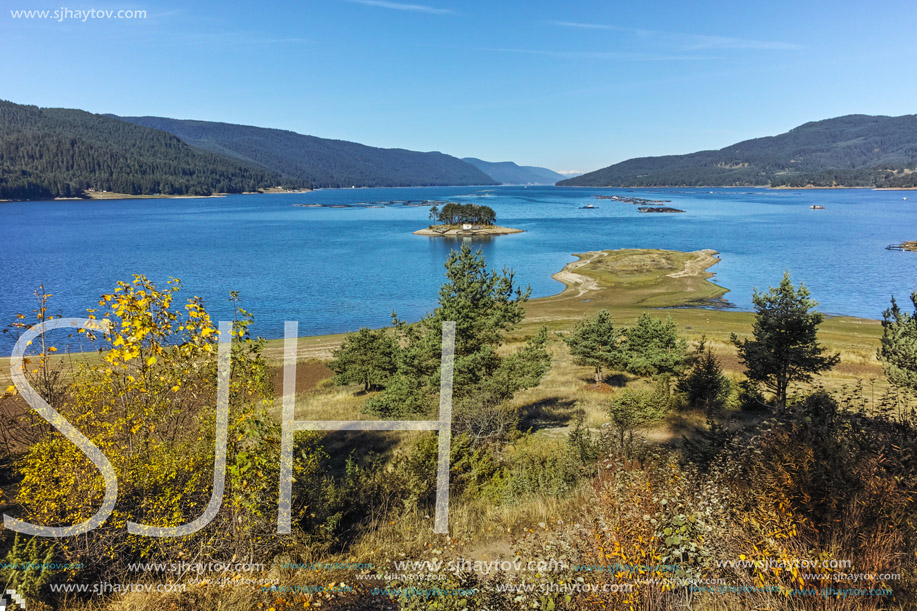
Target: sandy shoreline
[
  {"x": 762, "y": 187},
  {"x": 109, "y": 195},
  {"x": 505, "y": 230},
  {"x": 465, "y": 233}
]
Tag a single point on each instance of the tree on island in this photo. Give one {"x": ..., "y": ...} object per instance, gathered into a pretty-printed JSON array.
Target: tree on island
[
  {"x": 456, "y": 214},
  {"x": 594, "y": 343},
  {"x": 898, "y": 349},
  {"x": 785, "y": 347}
]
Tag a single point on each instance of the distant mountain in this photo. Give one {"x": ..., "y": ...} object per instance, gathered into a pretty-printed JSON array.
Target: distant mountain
[
  {"x": 849, "y": 151},
  {"x": 57, "y": 152},
  {"x": 508, "y": 173},
  {"x": 320, "y": 162}
]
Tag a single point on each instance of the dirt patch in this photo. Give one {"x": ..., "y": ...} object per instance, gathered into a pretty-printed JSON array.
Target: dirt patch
[
  {"x": 603, "y": 387},
  {"x": 860, "y": 369},
  {"x": 308, "y": 375}
]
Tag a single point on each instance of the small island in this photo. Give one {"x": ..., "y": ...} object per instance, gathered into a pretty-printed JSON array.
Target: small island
[
  {"x": 464, "y": 220},
  {"x": 657, "y": 209}
]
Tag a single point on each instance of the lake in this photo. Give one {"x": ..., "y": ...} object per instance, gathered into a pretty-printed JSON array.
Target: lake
[{"x": 336, "y": 269}]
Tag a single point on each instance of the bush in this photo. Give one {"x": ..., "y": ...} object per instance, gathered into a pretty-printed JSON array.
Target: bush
[
  {"x": 816, "y": 482},
  {"x": 27, "y": 569},
  {"x": 704, "y": 386},
  {"x": 820, "y": 481},
  {"x": 750, "y": 398},
  {"x": 632, "y": 409},
  {"x": 148, "y": 404}
]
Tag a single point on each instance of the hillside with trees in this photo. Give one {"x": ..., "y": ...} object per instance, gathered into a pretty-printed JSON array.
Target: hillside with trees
[
  {"x": 319, "y": 162},
  {"x": 57, "y": 152},
  {"x": 849, "y": 151}
]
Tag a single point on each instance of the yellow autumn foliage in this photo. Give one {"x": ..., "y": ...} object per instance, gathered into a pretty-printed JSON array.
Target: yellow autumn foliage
[{"x": 149, "y": 404}]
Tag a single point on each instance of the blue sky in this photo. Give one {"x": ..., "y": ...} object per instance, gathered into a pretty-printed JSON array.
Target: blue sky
[{"x": 570, "y": 86}]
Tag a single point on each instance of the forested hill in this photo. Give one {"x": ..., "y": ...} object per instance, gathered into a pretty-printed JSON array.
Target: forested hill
[
  {"x": 321, "y": 162},
  {"x": 849, "y": 151},
  {"x": 56, "y": 152},
  {"x": 509, "y": 173}
]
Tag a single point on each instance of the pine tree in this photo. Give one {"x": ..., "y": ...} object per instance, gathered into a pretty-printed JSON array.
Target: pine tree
[
  {"x": 594, "y": 343},
  {"x": 704, "y": 385},
  {"x": 485, "y": 306},
  {"x": 366, "y": 357},
  {"x": 632, "y": 409},
  {"x": 898, "y": 349},
  {"x": 785, "y": 347},
  {"x": 27, "y": 566},
  {"x": 652, "y": 347}
]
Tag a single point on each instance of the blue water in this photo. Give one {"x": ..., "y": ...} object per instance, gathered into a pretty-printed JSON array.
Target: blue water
[{"x": 336, "y": 269}]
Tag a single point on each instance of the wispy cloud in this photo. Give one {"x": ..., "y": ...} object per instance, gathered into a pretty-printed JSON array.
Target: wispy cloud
[
  {"x": 688, "y": 42},
  {"x": 723, "y": 42},
  {"x": 606, "y": 55},
  {"x": 398, "y": 6},
  {"x": 583, "y": 26},
  {"x": 234, "y": 38},
  {"x": 277, "y": 41},
  {"x": 171, "y": 13}
]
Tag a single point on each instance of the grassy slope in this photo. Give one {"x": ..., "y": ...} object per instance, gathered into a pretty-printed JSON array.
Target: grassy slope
[{"x": 627, "y": 282}]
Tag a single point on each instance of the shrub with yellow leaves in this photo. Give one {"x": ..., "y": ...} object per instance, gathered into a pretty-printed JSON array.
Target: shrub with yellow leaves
[{"x": 148, "y": 402}]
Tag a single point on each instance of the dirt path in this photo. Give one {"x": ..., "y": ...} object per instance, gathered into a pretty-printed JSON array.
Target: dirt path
[
  {"x": 306, "y": 348},
  {"x": 698, "y": 264},
  {"x": 577, "y": 282}
]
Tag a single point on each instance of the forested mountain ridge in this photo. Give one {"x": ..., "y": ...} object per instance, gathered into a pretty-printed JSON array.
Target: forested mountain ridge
[
  {"x": 320, "y": 162},
  {"x": 57, "y": 152},
  {"x": 510, "y": 173},
  {"x": 848, "y": 151}
]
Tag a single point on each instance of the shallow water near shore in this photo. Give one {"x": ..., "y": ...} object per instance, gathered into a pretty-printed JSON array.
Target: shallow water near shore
[{"x": 336, "y": 269}]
